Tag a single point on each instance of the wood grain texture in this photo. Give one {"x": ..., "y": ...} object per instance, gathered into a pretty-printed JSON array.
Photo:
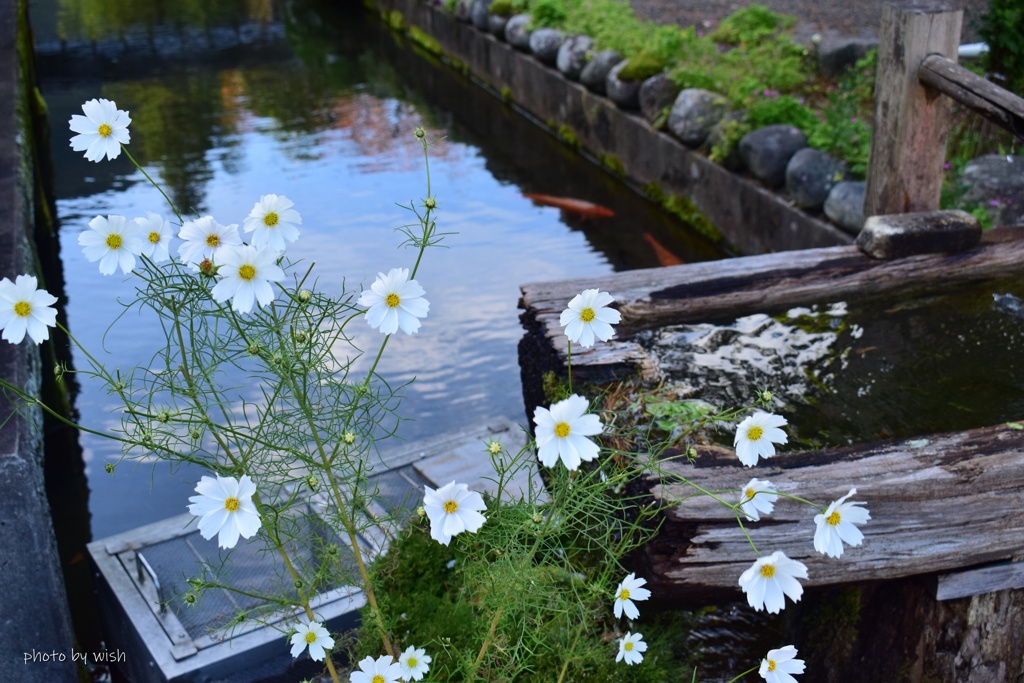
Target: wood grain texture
[
  {"x": 936, "y": 503},
  {"x": 725, "y": 290},
  {"x": 980, "y": 580},
  {"x": 911, "y": 121},
  {"x": 982, "y": 96}
]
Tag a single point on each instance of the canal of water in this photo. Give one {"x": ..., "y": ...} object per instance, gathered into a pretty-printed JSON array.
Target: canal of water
[{"x": 231, "y": 100}]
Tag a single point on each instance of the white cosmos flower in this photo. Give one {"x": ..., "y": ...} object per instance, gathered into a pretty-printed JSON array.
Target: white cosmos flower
[
  {"x": 315, "y": 636},
  {"x": 628, "y": 591},
  {"x": 156, "y": 237},
  {"x": 452, "y": 509},
  {"x": 102, "y": 130},
  {"x": 770, "y": 578},
  {"x": 837, "y": 526},
  {"x": 630, "y": 648},
  {"x": 384, "y": 669},
  {"x": 25, "y": 310},
  {"x": 562, "y": 432},
  {"x": 204, "y": 238},
  {"x": 779, "y": 665},
  {"x": 245, "y": 275},
  {"x": 757, "y": 498},
  {"x": 394, "y": 301},
  {"x": 756, "y": 436},
  {"x": 272, "y": 222},
  {"x": 224, "y": 507},
  {"x": 112, "y": 241},
  {"x": 588, "y": 317},
  {"x": 414, "y": 662}
]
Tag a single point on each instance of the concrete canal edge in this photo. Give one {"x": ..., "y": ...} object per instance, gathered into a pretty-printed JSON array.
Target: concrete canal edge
[
  {"x": 36, "y": 638},
  {"x": 751, "y": 218}
]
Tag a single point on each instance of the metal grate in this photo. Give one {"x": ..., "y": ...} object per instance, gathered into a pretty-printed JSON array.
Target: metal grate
[
  {"x": 249, "y": 567},
  {"x": 399, "y": 489}
]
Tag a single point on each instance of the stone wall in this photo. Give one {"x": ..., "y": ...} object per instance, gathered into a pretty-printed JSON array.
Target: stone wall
[
  {"x": 751, "y": 218},
  {"x": 35, "y": 626}
]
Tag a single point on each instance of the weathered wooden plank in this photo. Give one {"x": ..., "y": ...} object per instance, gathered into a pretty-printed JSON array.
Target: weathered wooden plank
[
  {"x": 948, "y": 501},
  {"x": 980, "y": 580},
  {"x": 908, "y": 143},
  {"x": 710, "y": 291},
  {"x": 982, "y": 96}
]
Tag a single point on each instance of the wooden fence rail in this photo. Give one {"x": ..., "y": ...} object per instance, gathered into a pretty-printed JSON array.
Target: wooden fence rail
[{"x": 985, "y": 98}]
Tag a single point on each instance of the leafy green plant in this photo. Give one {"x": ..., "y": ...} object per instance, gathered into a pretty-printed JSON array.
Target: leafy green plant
[
  {"x": 641, "y": 67},
  {"x": 752, "y": 24},
  {"x": 1002, "y": 27}
]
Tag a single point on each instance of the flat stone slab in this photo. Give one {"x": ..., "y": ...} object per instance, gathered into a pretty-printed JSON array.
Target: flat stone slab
[{"x": 898, "y": 235}]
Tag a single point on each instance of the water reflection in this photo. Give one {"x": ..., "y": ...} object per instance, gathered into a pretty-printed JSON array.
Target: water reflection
[{"x": 322, "y": 109}]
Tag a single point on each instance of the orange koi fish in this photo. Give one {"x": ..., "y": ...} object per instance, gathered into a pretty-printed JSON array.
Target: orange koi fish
[{"x": 577, "y": 206}]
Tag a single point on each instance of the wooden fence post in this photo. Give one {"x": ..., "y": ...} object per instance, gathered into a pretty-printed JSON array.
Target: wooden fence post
[{"x": 908, "y": 146}]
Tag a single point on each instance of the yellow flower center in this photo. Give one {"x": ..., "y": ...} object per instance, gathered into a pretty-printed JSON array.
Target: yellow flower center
[
  {"x": 378, "y": 679},
  {"x": 628, "y": 646},
  {"x": 114, "y": 241},
  {"x": 587, "y": 314},
  {"x": 22, "y": 308},
  {"x": 755, "y": 433},
  {"x": 105, "y": 130},
  {"x": 833, "y": 519},
  {"x": 624, "y": 594},
  {"x": 270, "y": 220},
  {"x": 771, "y": 665},
  {"x": 213, "y": 240},
  {"x": 411, "y": 662},
  {"x": 247, "y": 272},
  {"x": 450, "y": 506},
  {"x": 392, "y": 300},
  {"x": 767, "y": 571},
  {"x": 562, "y": 430},
  {"x": 749, "y": 493},
  {"x": 231, "y": 504},
  {"x": 310, "y": 638},
  {"x": 154, "y": 237}
]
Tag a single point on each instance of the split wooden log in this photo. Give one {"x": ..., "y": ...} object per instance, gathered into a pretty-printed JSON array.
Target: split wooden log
[
  {"x": 724, "y": 290},
  {"x": 982, "y": 96},
  {"x": 938, "y": 503}
]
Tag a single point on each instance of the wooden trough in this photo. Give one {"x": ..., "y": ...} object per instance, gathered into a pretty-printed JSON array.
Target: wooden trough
[{"x": 939, "y": 502}]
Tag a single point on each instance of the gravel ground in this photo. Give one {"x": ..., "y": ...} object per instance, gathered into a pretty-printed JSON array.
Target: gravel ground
[{"x": 859, "y": 18}]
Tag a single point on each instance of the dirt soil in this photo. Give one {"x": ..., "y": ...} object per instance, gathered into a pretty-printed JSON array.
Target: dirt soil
[{"x": 860, "y": 18}]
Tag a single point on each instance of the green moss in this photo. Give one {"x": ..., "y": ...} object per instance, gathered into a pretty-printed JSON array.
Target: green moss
[
  {"x": 688, "y": 211},
  {"x": 641, "y": 67},
  {"x": 613, "y": 164},
  {"x": 654, "y": 192},
  {"x": 732, "y": 131},
  {"x": 501, "y": 8},
  {"x": 751, "y": 24},
  {"x": 427, "y": 42},
  {"x": 395, "y": 20},
  {"x": 569, "y": 137},
  {"x": 554, "y": 387},
  {"x": 506, "y": 94},
  {"x": 833, "y": 625}
]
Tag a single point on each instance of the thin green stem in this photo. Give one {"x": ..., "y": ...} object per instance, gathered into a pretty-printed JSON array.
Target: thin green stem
[
  {"x": 152, "y": 182},
  {"x": 748, "y": 671}
]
